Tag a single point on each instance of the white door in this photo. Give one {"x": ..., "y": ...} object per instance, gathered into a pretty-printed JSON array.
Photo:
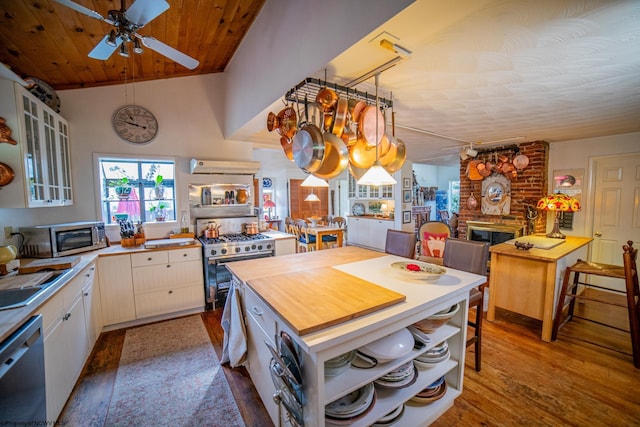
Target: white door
[{"x": 616, "y": 213}]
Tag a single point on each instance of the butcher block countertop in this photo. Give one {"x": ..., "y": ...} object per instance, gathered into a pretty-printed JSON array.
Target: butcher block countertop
[
  {"x": 568, "y": 245},
  {"x": 320, "y": 293}
]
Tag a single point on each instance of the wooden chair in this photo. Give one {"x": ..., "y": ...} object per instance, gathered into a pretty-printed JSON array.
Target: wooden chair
[
  {"x": 432, "y": 236},
  {"x": 471, "y": 256},
  {"x": 627, "y": 272},
  {"x": 288, "y": 223},
  {"x": 401, "y": 243},
  {"x": 331, "y": 240},
  {"x": 305, "y": 240}
]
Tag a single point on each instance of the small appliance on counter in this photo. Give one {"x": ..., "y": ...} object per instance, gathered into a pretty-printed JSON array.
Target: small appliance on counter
[{"x": 58, "y": 240}]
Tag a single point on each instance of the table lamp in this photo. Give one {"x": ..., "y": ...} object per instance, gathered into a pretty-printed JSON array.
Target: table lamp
[
  {"x": 558, "y": 203},
  {"x": 268, "y": 204}
]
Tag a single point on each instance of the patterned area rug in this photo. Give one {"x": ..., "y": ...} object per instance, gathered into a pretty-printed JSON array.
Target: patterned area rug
[{"x": 169, "y": 375}]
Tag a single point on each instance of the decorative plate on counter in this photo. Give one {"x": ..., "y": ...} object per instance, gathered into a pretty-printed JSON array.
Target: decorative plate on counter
[
  {"x": 420, "y": 270},
  {"x": 358, "y": 209}
]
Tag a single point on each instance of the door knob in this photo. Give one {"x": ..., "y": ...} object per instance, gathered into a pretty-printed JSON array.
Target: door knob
[{"x": 598, "y": 234}]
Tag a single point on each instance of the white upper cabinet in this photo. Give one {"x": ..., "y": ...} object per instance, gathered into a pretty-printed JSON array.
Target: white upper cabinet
[{"x": 41, "y": 158}]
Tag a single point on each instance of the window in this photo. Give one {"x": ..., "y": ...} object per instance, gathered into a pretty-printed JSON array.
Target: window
[{"x": 137, "y": 190}]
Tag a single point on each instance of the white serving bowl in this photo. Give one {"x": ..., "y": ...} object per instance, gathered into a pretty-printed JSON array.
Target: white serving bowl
[
  {"x": 435, "y": 321},
  {"x": 393, "y": 346}
]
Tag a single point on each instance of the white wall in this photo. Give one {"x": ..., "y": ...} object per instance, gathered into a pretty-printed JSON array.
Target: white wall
[{"x": 577, "y": 154}]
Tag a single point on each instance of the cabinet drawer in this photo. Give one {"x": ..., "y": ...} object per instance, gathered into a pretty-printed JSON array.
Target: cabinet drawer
[
  {"x": 149, "y": 258},
  {"x": 167, "y": 301},
  {"x": 189, "y": 254},
  {"x": 262, "y": 314},
  {"x": 51, "y": 314},
  {"x": 167, "y": 276}
]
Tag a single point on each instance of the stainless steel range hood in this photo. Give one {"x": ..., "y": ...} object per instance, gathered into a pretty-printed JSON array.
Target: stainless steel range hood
[{"x": 223, "y": 167}]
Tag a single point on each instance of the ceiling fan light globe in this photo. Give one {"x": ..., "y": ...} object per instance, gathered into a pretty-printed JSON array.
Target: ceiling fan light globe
[{"x": 137, "y": 47}]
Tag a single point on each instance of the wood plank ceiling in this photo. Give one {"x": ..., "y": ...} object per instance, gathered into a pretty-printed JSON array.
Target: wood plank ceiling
[{"x": 46, "y": 40}]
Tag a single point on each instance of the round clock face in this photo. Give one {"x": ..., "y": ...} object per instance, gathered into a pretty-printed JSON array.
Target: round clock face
[{"x": 135, "y": 124}]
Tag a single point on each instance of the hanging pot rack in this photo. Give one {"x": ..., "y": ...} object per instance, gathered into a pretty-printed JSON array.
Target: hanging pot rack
[{"x": 310, "y": 87}]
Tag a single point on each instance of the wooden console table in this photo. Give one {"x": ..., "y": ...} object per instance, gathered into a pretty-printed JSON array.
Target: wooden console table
[{"x": 528, "y": 282}]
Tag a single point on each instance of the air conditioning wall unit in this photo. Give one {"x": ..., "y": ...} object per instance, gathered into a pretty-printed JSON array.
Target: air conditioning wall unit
[{"x": 223, "y": 167}]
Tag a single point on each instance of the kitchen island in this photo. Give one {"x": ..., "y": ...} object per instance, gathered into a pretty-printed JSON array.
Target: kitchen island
[
  {"x": 271, "y": 306},
  {"x": 528, "y": 282}
]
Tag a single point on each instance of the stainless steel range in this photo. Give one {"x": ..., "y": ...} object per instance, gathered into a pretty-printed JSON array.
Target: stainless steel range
[{"x": 232, "y": 244}]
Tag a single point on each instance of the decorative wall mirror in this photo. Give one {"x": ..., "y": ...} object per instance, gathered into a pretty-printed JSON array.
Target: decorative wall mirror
[{"x": 496, "y": 195}]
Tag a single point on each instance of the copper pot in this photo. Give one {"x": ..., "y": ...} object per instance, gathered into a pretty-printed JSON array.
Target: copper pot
[
  {"x": 371, "y": 125},
  {"x": 400, "y": 157},
  {"x": 327, "y": 98},
  {"x": 361, "y": 154},
  {"x": 340, "y": 117},
  {"x": 251, "y": 228}
]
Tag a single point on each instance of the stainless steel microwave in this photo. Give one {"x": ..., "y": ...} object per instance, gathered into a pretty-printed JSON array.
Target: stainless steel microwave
[{"x": 57, "y": 240}]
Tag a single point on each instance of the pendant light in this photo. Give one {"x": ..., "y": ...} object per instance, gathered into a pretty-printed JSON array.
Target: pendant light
[
  {"x": 314, "y": 181},
  {"x": 377, "y": 175},
  {"x": 312, "y": 197}
]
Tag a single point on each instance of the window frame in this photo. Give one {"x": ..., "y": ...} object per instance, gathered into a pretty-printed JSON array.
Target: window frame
[{"x": 103, "y": 202}]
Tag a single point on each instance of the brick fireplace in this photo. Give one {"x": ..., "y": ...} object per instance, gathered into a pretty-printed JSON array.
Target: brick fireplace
[{"x": 529, "y": 186}]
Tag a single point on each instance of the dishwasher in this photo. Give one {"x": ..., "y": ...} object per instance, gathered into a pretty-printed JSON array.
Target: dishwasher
[{"x": 22, "y": 388}]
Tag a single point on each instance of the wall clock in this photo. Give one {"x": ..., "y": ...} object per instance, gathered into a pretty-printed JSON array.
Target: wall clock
[{"x": 135, "y": 124}]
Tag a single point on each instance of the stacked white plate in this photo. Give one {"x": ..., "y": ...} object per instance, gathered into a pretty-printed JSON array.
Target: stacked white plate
[
  {"x": 434, "y": 356},
  {"x": 351, "y": 407},
  {"x": 339, "y": 364},
  {"x": 391, "y": 418},
  {"x": 401, "y": 377},
  {"x": 419, "y": 335}
]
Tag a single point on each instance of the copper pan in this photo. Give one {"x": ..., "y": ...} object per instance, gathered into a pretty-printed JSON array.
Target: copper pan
[
  {"x": 314, "y": 114},
  {"x": 356, "y": 111},
  {"x": 400, "y": 158},
  {"x": 272, "y": 121},
  {"x": 340, "y": 117},
  {"x": 288, "y": 122},
  {"x": 287, "y": 147},
  {"x": 357, "y": 172},
  {"x": 371, "y": 125},
  {"x": 388, "y": 157},
  {"x": 349, "y": 137},
  {"x": 336, "y": 157},
  {"x": 483, "y": 169},
  {"x": 361, "y": 154}
]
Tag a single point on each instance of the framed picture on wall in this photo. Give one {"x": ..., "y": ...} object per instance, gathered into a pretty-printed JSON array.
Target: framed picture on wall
[
  {"x": 406, "y": 217},
  {"x": 406, "y": 196},
  {"x": 406, "y": 183}
]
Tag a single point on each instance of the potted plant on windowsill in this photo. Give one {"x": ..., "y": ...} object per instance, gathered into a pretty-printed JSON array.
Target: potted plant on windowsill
[
  {"x": 158, "y": 189},
  {"x": 159, "y": 211},
  {"x": 122, "y": 188}
]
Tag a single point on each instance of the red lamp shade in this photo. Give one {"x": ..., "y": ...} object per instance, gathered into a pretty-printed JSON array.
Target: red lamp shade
[
  {"x": 269, "y": 204},
  {"x": 559, "y": 203}
]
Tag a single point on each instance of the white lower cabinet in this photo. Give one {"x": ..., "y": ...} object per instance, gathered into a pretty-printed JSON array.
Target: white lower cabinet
[
  {"x": 166, "y": 281},
  {"x": 66, "y": 345},
  {"x": 263, "y": 324},
  {"x": 368, "y": 232},
  {"x": 92, "y": 306},
  {"x": 139, "y": 285},
  {"x": 116, "y": 289},
  {"x": 285, "y": 246}
]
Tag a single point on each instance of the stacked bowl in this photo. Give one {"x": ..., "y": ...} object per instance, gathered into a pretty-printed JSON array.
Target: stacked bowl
[
  {"x": 391, "y": 418},
  {"x": 351, "y": 407},
  {"x": 434, "y": 356},
  {"x": 392, "y": 346},
  {"x": 435, "y": 321},
  {"x": 339, "y": 364},
  {"x": 432, "y": 392},
  {"x": 403, "y": 376}
]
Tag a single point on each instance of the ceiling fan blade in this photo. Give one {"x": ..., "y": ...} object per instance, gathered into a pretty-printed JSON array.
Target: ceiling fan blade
[
  {"x": 102, "y": 50},
  {"x": 168, "y": 51},
  {"x": 486, "y": 143},
  {"x": 143, "y": 11},
  {"x": 79, "y": 8},
  {"x": 7, "y": 73}
]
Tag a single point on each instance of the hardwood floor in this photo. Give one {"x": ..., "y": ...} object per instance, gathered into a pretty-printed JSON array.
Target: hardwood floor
[{"x": 586, "y": 377}]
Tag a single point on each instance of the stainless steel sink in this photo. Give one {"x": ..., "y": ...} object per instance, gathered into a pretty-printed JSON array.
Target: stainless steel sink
[{"x": 20, "y": 297}]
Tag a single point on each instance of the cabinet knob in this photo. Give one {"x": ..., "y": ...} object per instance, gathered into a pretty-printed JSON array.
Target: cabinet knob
[
  {"x": 149, "y": 259},
  {"x": 170, "y": 292},
  {"x": 86, "y": 294},
  {"x": 66, "y": 316},
  {"x": 184, "y": 255},
  {"x": 168, "y": 265},
  {"x": 256, "y": 311}
]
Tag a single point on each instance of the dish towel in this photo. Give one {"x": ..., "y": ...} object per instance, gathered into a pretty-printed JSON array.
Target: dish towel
[{"x": 234, "y": 344}]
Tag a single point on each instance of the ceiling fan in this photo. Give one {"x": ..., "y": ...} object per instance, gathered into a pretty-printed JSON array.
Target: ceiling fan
[{"x": 127, "y": 22}]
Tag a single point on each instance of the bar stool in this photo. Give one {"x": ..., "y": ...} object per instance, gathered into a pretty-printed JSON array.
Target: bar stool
[{"x": 628, "y": 272}]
